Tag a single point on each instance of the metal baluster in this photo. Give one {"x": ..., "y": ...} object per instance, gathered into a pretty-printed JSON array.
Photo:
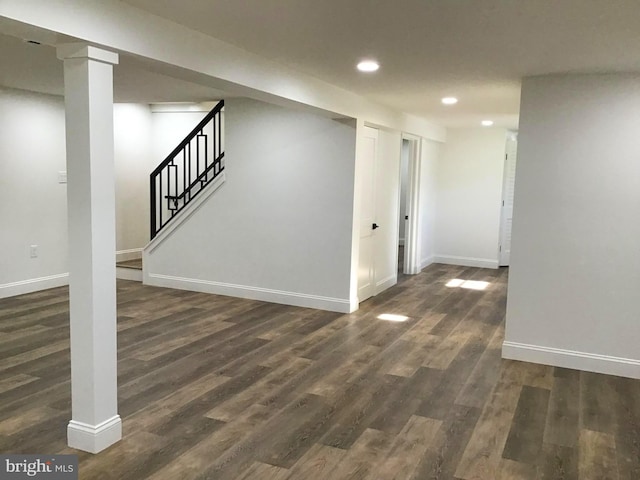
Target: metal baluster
[
  {"x": 152, "y": 201},
  {"x": 160, "y": 204}
]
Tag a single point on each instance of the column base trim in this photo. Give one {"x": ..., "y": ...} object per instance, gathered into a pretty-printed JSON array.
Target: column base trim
[{"x": 94, "y": 438}]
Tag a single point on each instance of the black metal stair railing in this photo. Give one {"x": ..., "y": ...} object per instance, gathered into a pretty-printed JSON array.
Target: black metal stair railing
[{"x": 195, "y": 162}]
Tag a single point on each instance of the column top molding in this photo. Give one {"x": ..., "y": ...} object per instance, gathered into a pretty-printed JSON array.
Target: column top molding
[{"x": 82, "y": 50}]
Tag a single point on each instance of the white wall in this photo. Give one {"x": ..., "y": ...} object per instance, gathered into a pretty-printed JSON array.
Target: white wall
[
  {"x": 280, "y": 227},
  {"x": 431, "y": 152},
  {"x": 133, "y": 147},
  {"x": 32, "y": 202},
  {"x": 33, "y": 205},
  {"x": 469, "y": 197},
  {"x": 169, "y": 129},
  {"x": 575, "y": 260}
]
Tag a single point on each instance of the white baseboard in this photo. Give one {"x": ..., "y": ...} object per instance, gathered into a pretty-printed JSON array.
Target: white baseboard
[
  {"x": 253, "y": 293},
  {"x": 33, "y": 285},
  {"x": 385, "y": 283},
  {"x": 94, "y": 438},
  {"x": 557, "y": 357},
  {"x": 425, "y": 262},
  {"x": 129, "y": 274},
  {"x": 131, "y": 254},
  {"x": 466, "y": 261}
]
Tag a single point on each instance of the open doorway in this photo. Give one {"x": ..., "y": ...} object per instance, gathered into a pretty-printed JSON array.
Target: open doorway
[
  {"x": 508, "y": 190},
  {"x": 408, "y": 218},
  {"x": 404, "y": 214}
]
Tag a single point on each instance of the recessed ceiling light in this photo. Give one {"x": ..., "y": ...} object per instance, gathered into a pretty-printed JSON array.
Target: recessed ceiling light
[
  {"x": 449, "y": 100},
  {"x": 487, "y": 123},
  {"x": 368, "y": 66}
]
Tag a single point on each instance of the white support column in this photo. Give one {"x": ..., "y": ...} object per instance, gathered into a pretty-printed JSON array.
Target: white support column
[{"x": 88, "y": 83}]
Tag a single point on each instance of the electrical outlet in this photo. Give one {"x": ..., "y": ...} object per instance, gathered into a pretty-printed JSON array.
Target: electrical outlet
[{"x": 33, "y": 251}]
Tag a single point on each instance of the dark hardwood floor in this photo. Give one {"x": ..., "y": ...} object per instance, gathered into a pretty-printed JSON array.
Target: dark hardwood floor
[{"x": 221, "y": 388}]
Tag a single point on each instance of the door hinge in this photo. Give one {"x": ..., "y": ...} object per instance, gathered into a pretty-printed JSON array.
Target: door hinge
[
  {"x": 500, "y": 248},
  {"x": 503, "y": 203},
  {"x": 506, "y": 156}
]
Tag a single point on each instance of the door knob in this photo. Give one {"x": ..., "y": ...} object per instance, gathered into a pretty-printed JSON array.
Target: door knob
[{"x": 374, "y": 226}]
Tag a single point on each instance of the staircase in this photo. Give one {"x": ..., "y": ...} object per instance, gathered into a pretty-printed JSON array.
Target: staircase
[
  {"x": 129, "y": 270},
  {"x": 187, "y": 170}
]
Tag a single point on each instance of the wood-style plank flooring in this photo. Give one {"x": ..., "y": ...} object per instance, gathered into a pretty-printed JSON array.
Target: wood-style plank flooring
[{"x": 221, "y": 388}]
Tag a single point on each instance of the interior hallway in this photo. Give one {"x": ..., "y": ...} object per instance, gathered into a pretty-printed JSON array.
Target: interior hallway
[{"x": 223, "y": 388}]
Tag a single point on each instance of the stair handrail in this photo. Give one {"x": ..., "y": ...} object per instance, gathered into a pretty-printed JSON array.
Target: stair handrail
[
  {"x": 171, "y": 164},
  {"x": 189, "y": 137}
]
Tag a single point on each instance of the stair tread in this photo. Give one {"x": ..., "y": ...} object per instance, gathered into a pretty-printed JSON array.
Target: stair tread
[{"x": 133, "y": 264}]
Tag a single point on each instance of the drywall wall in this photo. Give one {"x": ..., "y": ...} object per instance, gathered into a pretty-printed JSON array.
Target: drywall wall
[
  {"x": 170, "y": 126},
  {"x": 430, "y": 152},
  {"x": 33, "y": 206},
  {"x": 469, "y": 197},
  {"x": 575, "y": 257},
  {"x": 279, "y": 228},
  {"x": 133, "y": 143},
  {"x": 32, "y": 201}
]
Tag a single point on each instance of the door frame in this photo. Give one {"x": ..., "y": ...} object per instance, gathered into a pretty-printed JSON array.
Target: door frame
[{"x": 411, "y": 265}]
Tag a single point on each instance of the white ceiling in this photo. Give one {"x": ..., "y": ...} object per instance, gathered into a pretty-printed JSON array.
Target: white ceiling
[
  {"x": 36, "y": 68},
  {"x": 477, "y": 50}
]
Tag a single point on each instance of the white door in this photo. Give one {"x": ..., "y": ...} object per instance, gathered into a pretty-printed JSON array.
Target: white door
[
  {"x": 366, "y": 266},
  {"x": 507, "y": 200}
]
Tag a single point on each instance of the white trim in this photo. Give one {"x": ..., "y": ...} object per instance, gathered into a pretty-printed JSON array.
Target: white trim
[
  {"x": 82, "y": 50},
  {"x": 425, "y": 262},
  {"x": 94, "y": 438},
  {"x": 466, "y": 261},
  {"x": 33, "y": 285},
  {"x": 124, "y": 273},
  {"x": 253, "y": 293},
  {"x": 181, "y": 217},
  {"x": 354, "y": 304},
  {"x": 385, "y": 283},
  {"x": 557, "y": 357},
  {"x": 130, "y": 254}
]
